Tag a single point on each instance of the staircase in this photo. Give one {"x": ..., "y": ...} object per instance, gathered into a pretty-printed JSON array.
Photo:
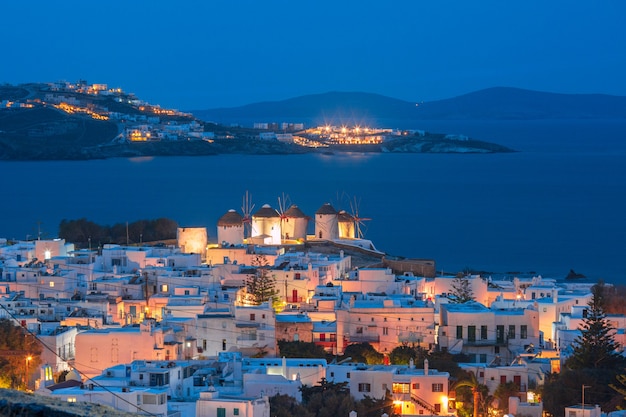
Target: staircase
[{"x": 424, "y": 404}]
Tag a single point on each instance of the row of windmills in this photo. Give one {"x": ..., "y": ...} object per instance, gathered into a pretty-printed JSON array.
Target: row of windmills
[{"x": 274, "y": 227}]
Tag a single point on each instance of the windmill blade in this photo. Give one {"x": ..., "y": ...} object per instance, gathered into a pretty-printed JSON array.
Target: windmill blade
[
  {"x": 283, "y": 204},
  {"x": 246, "y": 208},
  {"x": 359, "y": 222}
]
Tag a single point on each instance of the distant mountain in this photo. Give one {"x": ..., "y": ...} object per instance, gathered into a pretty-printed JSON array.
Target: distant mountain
[{"x": 492, "y": 103}]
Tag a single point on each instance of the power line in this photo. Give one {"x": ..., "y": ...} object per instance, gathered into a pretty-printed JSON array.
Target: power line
[{"x": 78, "y": 370}]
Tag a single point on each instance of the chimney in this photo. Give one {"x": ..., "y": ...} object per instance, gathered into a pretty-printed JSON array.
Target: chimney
[{"x": 425, "y": 366}]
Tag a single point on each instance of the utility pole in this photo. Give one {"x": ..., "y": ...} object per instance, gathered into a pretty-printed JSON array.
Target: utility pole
[{"x": 584, "y": 386}]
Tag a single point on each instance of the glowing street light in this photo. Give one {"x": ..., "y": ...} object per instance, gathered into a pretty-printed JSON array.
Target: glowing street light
[{"x": 27, "y": 376}]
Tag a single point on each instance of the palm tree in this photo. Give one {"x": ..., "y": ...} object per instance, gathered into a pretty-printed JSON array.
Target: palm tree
[{"x": 471, "y": 382}]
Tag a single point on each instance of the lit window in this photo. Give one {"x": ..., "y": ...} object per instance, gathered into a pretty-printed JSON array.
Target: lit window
[
  {"x": 51, "y": 284},
  {"x": 71, "y": 399}
]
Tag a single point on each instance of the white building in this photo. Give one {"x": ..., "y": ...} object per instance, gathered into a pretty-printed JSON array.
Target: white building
[
  {"x": 230, "y": 229},
  {"x": 266, "y": 226},
  {"x": 212, "y": 404},
  {"x": 326, "y": 223}
]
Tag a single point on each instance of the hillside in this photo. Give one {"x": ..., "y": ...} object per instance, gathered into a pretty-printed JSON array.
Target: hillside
[
  {"x": 21, "y": 404},
  {"x": 63, "y": 121},
  {"x": 492, "y": 103}
]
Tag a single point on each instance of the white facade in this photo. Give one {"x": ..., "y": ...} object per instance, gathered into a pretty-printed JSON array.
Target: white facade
[
  {"x": 192, "y": 240},
  {"x": 386, "y": 323},
  {"x": 326, "y": 223},
  {"x": 212, "y": 404}
]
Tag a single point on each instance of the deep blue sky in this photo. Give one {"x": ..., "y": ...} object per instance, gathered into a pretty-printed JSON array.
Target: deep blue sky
[{"x": 201, "y": 54}]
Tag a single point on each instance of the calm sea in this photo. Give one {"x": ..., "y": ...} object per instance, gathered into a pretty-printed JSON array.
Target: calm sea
[{"x": 557, "y": 204}]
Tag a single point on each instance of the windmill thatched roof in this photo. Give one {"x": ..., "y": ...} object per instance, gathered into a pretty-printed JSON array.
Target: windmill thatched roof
[
  {"x": 345, "y": 217},
  {"x": 266, "y": 211},
  {"x": 326, "y": 209},
  {"x": 295, "y": 212},
  {"x": 231, "y": 218}
]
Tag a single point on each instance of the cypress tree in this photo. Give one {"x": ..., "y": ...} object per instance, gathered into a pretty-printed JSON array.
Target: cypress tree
[
  {"x": 595, "y": 348},
  {"x": 261, "y": 285},
  {"x": 461, "y": 290}
]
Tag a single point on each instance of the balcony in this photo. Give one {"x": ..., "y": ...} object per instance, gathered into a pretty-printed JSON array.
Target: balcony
[
  {"x": 482, "y": 342},
  {"x": 363, "y": 337}
]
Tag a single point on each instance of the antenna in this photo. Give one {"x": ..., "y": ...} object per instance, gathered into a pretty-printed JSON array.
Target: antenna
[
  {"x": 359, "y": 224},
  {"x": 246, "y": 208}
]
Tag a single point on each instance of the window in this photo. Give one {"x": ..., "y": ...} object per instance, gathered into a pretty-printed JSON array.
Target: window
[
  {"x": 400, "y": 388},
  {"x": 221, "y": 412},
  {"x": 385, "y": 331},
  {"x": 471, "y": 333},
  {"x": 51, "y": 284},
  {"x": 359, "y": 330},
  {"x": 459, "y": 332},
  {"x": 322, "y": 337},
  {"x": 437, "y": 408},
  {"x": 348, "y": 375},
  {"x": 483, "y": 332},
  {"x": 333, "y": 337},
  {"x": 235, "y": 411},
  {"x": 483, "y": 358},
  {"x": 500, "y": 333},
  {"x": 416, "y": 385},
  {"x": 472, "y": 357},
  {"x": 437, "y": 387},
  {"x": 511, "y": 331},
  {"x": 523, "y": 331},
  {"x": 364, "y": 387},
  {"x": 252, "y": 316}
]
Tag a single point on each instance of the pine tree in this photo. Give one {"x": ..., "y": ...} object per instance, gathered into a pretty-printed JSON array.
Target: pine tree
[
  {"x": 260, "y": 284},
  {"x": 595, "y": 348},
  {"x": 461, "y": 290}
]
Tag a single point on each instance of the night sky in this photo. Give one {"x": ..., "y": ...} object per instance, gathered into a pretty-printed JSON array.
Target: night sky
[{"x": 201, "y": 54}]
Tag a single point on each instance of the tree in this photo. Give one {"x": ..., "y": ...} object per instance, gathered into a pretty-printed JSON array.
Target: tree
[
  {"x": 502, "y": 394},
  {"x": 261, "y": 285},
  {"x": 19, "y": 355},
  {"x": 328, "y": 399},
  {"x": 282, "y": 405},
  {"x": 471, "y": 382},
  {"x": 299, "y": 349},
  {"x": 564, "y": 389},
  {"x": 461, "y": 290},
  {"x": 402, "y": 355},
  {"x": 364, "y": 353},
  {"x": 595, "y": 347},
  {"x": 375, "y": 407}
]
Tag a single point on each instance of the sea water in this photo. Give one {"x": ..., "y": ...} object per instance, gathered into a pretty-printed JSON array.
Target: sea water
[{"x": 559, "y": 203}]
